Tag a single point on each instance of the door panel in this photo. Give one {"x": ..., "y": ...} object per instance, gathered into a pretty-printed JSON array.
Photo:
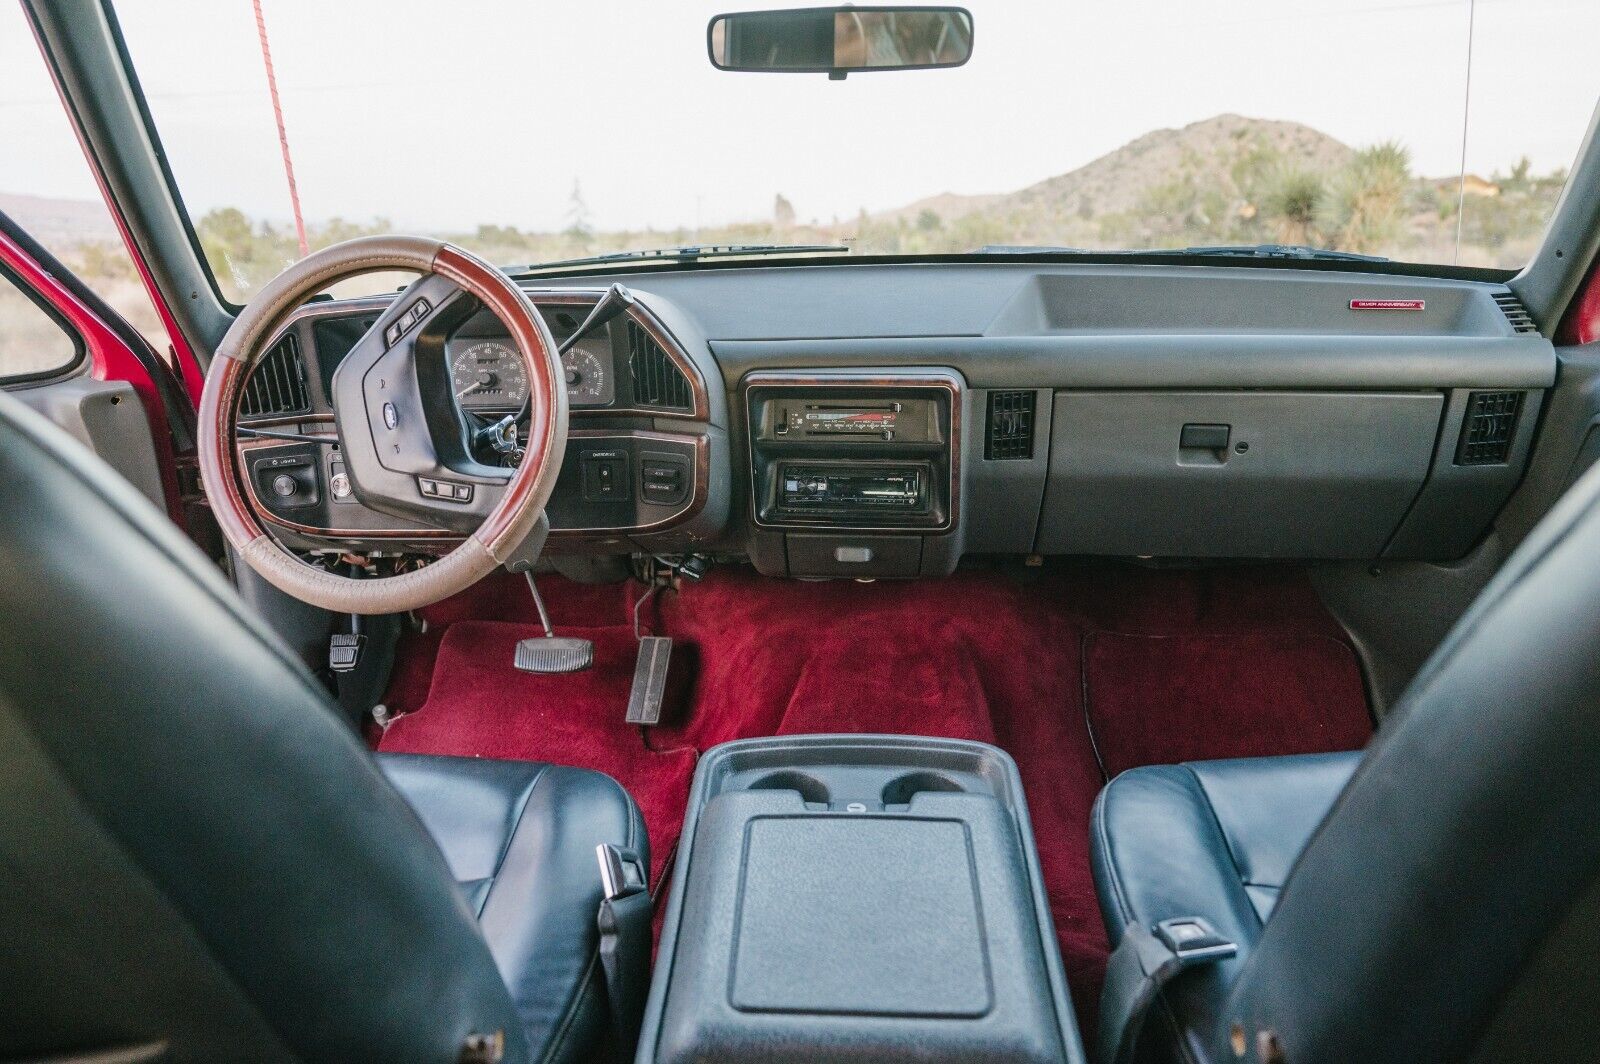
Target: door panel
[
  {"x": 112, "y": 395},
  {"x": 106, "y": 417}
]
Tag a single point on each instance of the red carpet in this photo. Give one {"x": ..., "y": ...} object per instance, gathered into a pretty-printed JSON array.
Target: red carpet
[
  {"x": 1176, "y": 664},
  {"x": 1159, "y": 699}
]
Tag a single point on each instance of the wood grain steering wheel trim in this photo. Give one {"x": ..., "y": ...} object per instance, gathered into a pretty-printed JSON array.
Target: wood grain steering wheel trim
[{"x": 505, "y": 528}]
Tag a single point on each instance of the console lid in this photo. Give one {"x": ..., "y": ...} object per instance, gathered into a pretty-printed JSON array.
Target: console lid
[{"x": 857, "y": 898}]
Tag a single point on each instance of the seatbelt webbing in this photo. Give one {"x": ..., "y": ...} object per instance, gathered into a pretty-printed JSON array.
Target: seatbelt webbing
[{"x": 1140, "y": 966}]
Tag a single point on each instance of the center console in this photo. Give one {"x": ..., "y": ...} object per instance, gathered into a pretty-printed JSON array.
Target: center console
[
  {"x": 851, "y": 470},
  {"x": 852, "y": 898}
]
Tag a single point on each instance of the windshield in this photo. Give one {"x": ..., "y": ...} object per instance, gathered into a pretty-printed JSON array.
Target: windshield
[{"x": 536, "y": 132}]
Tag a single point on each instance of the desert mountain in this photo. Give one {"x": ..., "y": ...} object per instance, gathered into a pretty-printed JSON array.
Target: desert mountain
[
  {"x": 60, "y": 223},
  {"x": 1122, "y": 180}
]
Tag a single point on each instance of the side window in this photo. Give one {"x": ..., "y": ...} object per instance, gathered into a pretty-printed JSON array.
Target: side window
[
  {"x": 34, "y": 343},
  {"x": 48, "y": 191}
]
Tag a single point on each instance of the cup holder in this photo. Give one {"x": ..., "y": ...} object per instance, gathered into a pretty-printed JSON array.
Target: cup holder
[
  {"x": 901, "y": 789},
  {"x": 811, "y": 789}
]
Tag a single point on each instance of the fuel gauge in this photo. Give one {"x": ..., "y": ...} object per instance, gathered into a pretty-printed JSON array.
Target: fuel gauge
[{"x": 588, "y": 375}]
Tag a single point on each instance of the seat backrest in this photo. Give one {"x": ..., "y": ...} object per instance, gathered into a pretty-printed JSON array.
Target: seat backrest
[
  {"x": 194, "y": 849},
  {"x": 1447, "y": 908}
]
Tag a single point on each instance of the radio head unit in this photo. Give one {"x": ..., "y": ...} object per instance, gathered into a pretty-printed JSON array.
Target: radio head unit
[
  {"x": 853, "y": 452},
  {"x": 902, "y": 419},
  {"x": 852, "y": 489}
]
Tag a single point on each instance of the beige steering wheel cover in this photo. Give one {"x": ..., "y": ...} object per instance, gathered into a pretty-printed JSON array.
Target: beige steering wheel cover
[{"x": 526, "y": 495}]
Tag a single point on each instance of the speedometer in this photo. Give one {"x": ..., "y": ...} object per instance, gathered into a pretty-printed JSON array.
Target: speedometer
[{"x": 489, "y": 376}]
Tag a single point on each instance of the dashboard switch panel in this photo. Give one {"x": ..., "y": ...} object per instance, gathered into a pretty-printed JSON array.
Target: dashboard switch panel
[
  {"x": 626, "y": 481},
  {"x": 664, "y": 478},
  {"x": 287, "y": 476}
]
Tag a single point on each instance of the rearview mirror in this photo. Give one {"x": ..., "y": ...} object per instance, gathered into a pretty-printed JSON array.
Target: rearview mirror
[{"x": 841, "y": 40}]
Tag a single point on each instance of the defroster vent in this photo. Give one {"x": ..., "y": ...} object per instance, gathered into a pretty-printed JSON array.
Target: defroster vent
[
  {"x": 657, "y": 381},
  {"x": 277, "y": 386},
  {"x": 1010, "y": 432},
  {"x": 1517, "y": 314},
  {"x": 1490, "y": 425}
]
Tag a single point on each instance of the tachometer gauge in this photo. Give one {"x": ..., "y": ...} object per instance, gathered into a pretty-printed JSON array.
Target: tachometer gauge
[
  {"x": 588, "y": 383},
  {"x": 489, "y": 375}
]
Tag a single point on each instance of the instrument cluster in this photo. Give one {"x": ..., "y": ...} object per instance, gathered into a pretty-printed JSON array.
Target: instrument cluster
[{"x": 487, "y": 375}]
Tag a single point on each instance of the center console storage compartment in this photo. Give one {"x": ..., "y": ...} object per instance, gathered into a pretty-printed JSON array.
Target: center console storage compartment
[{"x": 854, "y": 898}]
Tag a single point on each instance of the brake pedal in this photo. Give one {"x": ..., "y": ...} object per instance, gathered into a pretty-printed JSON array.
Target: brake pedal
[
  {"x": 649, "y": 680},
  {"x": 552, "y": 653}
]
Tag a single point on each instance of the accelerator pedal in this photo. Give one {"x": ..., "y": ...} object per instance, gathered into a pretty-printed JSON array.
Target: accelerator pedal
[
  {"x": 649, "y": 680},
  {"x": 550, "y": 653}
]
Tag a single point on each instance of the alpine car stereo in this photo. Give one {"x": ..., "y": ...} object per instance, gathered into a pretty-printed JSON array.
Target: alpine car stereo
[{"x": 853, "y": 489}]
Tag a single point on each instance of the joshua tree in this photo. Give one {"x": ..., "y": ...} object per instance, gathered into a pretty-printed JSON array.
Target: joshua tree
[
  {"x": 1290, "y": 200},
  {"x": 1364, "y": 205}
]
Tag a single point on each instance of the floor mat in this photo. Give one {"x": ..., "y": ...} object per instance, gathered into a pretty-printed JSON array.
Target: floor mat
[
  {"x": 1161, "y": 699},
  {"x": 478, "y": 705}
]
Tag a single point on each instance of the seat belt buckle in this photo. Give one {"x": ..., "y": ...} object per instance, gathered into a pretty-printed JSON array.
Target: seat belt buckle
[
  {"x": 624, "y": 923},
  {"x": 1193, "y": 941},
  {"x": 622, "y": 874}
]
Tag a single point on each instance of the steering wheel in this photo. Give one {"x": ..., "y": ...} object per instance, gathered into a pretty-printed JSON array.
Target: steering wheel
[{"x": 404, "y": 443}]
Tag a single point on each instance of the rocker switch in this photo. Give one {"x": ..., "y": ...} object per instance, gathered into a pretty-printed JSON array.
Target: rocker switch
[
  {"x": 663, "y": 478},
  {"x": 605, "y": 476}
]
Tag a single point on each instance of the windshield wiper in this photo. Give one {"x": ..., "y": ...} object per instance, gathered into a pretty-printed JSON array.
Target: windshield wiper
[
  {"x": 1030, "y": 249},
  {"x": 1271, "y": 251},
  {"x": 685, "y": 253}
]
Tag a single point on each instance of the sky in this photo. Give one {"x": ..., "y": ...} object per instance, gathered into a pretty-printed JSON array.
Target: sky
[{"x": 444, "y": 116}]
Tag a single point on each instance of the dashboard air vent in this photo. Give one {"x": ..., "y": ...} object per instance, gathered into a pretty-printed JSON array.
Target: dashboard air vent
[
  {"x": 1515, "y": 313},
  {"x": 657, "y": 381},
  {"x": 1490, "y": 424},
  {"x": 277, "y": 386},
  {"x": 1010, "y": 433}
]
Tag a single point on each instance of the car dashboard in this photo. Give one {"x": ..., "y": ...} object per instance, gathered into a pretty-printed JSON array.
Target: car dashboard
[{"x": 883, "y": 420}]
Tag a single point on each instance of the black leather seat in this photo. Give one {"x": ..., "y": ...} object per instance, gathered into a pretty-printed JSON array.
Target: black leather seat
[
  {"x": 1434, "y": 898},
  {"x": 200, "y": 861},
  {"x": 520, "y": 839},
  {"x": 1210, "y": 838}
]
